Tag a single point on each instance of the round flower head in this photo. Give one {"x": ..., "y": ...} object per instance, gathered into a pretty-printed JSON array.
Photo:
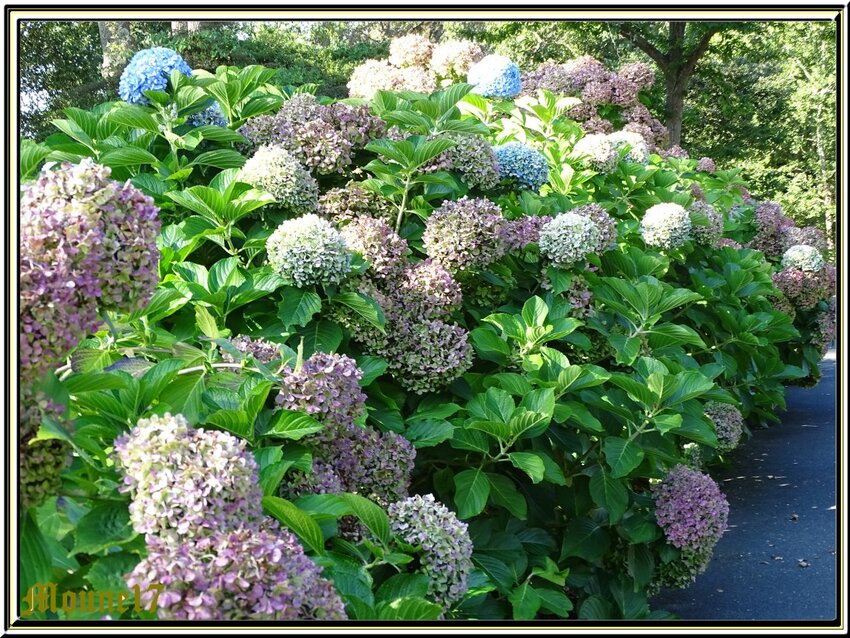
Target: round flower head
[
  {"x": 824, "y": 331},
  {"x": 665, "y": 226},
  {"x": 527, "y": 167},
  {"x": 309, "y": 251},
  {"x": 375, "y": 75},
  {"x": 454, "y": 58},
  {"x": 728, "y": 424},
  {"x": 341, "y": 205},
  {"x": 87, "y": 242},
  {"x": 568, "y": 239},
  {"x": 410, "y": 50},
  {"x": 597, "y": 124},
  {"x": 472, "y": 157},
  {"x": 495, "y": 76},
  {"x": 803, "y": 258},
  {"x": 238, "y": 573},
  {"x": 598, "y": 151},
  {"x": 804, "y": 288},
  {"x": 565, "y": 79},
  {"x": 706, "y": 165},
  {"x": 321, "y": 479},
  {"x": 639, "y": 73},
  {"x": 638, "y": 151},
  {"x": 771, "y": 225},
  {"x": 606, "y": 224},
  {"x": 427, "y": 291},
  {"x": 377, "y": 243},
  {"x": 674, "y": 151},
  {"x": 691, "y": 509},
  {"x": 706, "y": 223},
  {"x": 185, "y": 480},
  {"x": 277, "y": 171},
  {"x": 444, "y": 541},
  {"x": 425, "y": 356},
  {"x": 327, "y": 387},
  {"x": 210, "y": 115},
  {"x": 805, "y": 236},
  {"x": 149, "y": 70},
  {"x": 519, "y": 233},
  {"x": 464, "y": 234}
]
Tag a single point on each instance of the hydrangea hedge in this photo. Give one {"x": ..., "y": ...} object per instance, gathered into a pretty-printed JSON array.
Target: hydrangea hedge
[{"x": 438, "y": 355}]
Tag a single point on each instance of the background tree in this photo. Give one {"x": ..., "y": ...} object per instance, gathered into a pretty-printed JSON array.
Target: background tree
[{"x": 117, "y": 45}]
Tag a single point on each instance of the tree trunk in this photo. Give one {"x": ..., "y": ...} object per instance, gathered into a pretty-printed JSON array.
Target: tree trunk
[
  {"x": 675, "y": 107},
  {"x": 184, "y": 27},
  {"x": 117, "y": 46}
]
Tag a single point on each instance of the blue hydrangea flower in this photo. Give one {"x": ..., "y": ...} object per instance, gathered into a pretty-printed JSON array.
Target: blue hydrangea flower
[
  {"x": 149, "y": 70},
  {"x": 527, "y": 167},
  {"x": 495, "y": 76},
  {"x": 210, "y": 115}
]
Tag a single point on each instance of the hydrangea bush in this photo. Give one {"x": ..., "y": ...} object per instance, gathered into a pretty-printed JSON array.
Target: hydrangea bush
[{"x": 434, "y": 355}]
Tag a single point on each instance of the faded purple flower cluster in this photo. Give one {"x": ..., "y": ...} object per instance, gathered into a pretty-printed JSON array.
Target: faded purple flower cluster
[
  {"x": 771, "y": 224},
  {"x": 804, "y": 288},
  {"x": 184, "y": 480},
  {"x": 465, "y": 235},
  {"x": 443, "y": 540},
  {"x": 706, "y": 165},
  {"x": 237, "y": 573},
  {"x": 606, "y": 224},
  {"x": 324, "y": 137},
  {"x": 472, "y": 157},
  {"x": 358, "y": 459},
  {"x": 825, "y": 326},
  {"x": 587, "y": 79},
  {"x": 87, "y": 243},
  {"x": 377, "y": 243},
  {"x": 519, "y": 233},
  {"x": 410, "y": 50},
  {"x": 262, "y": 350},
  {"x": 691, "y": 509},
  {"x": 197, "y": 498},
  {"x": 805, "y": 236},
  {"x": 341, "y": 205},
  {"x": 380, "y": 75},
  {"x": 728, "y": 424}
]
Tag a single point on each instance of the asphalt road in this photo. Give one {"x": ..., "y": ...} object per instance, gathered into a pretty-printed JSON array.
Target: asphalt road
[{"x": 777, "y": 561}]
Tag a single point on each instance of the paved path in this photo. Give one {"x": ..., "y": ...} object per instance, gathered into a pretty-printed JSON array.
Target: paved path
[{"x": 777, "y": 561}]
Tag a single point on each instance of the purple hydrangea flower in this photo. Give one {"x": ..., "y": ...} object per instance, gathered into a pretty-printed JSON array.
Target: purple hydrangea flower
[
  {"x": 378, "y": 243},
  {"x": 239, "y": 573},
  {"x": 691, "y": 509},
  {"x": 262, "y": 350},
  {"x": 341, "y": 205},
  {"x": 185, "y": 481},
  {"x": 465, "y": 234},
  {"x": 728, "y": 424},
  {"x": 706, "y": 165},
  {"x": 706, "y": 223},
  {"x": 443, "y": 540},
  {"x": 771, "y": 224},
  {"x": 519, "y": 233}
]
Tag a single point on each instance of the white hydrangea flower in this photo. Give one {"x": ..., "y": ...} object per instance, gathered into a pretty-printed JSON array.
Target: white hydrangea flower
[
  {"x": 598, "y": 151},
  {"x": 568, "y": 239},
  {"x": 666, "y": 226},
  {"x": 309, "y": 251},
  {"x": 803, "y": 258},
  {"x": 638, "y": 150}
]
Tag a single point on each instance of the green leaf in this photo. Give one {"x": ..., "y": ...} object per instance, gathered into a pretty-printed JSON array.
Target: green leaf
[
  {"x": 403, "y": 586},
  {"x": 427, "y": 432},
  {"x": 640, "y": 564},
  {"x": 322, "y": 335},
  {"x": 627, "y": 348},
  {"x": 609, "y": 493},
  {"x": 371, "y": 367},
  {"x": 535, "y": 311},
  {"x": 235, "y": 421},
  {"x": 183, "y": 395},
  {"x": 666, "y": 335},
  {"x": 690, "y": 384},
  {"x": 288, "y": 424},
  {"x": 525, "y": 602},
  {"x": 596, "y": 608},
  {"x": 165, "y": 302},
  {"x": 530, "y": 463},
  {"x": 503, "y": 491},
  {"x": 134, "y": 117},
  {"x": 220, "y": 158},
  {"x": 555, "y": 602},
  {"x": 371, "y": 515},
  {"x": 488, "y": 345},
  {"x": 105, "y": 525},
  {"x": 107, "y": 573},
  {"x": 127, "y": 156},
  {"x": 36, "y": 565},
  {"x": 206, "y": 323},
  {"x": 363, "y": 306},
  {"x": 299, "y": 522},
  {"x": 472, "y": 490},
  {"x": 32, "y": 155},
  {"x": 409, "y": 608},
  {"x": 622, "y": 455},
  {"x": 666, "y": 422},
  {"x": 586, "y": 539},
  {"x": 93, "y": 382},
  {"x": 298, "y": 307}
]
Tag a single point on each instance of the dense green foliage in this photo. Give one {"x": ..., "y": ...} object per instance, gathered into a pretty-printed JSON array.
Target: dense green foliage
[{"x": 548, "y": 387}]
